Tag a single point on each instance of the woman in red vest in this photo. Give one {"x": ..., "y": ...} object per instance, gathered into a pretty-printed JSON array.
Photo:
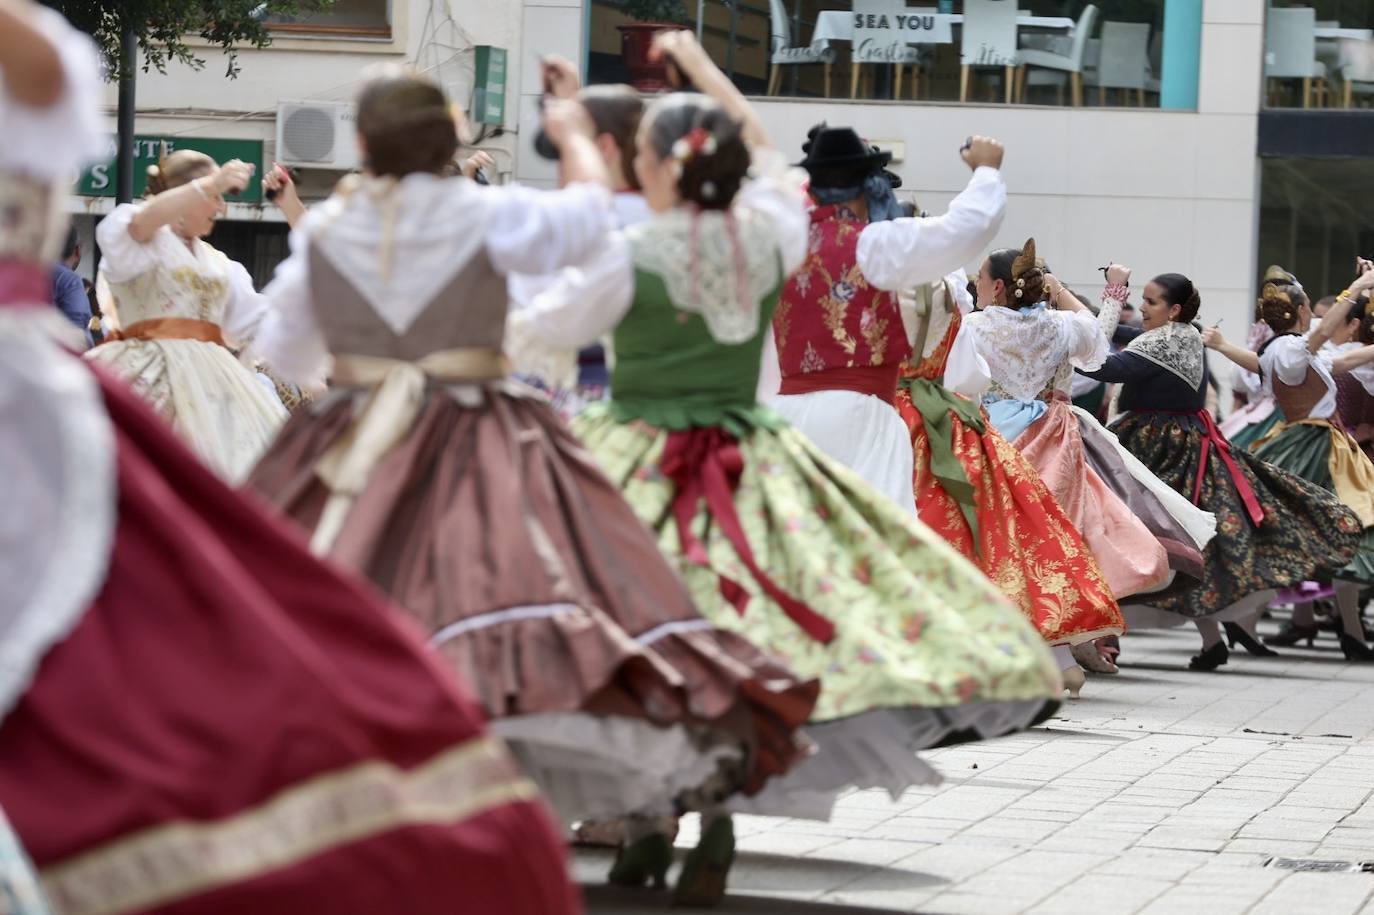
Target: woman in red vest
[{"x": 838, "y": 330}]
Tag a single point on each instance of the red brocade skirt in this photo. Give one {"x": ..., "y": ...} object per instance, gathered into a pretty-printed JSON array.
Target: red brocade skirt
[
  {"x": 233, "y": 727},
  {"x": 1024, "y": 543}
]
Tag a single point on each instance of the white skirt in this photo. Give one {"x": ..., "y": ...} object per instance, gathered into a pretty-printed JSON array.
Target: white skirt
[
  {"x": 861, "y": 431},
  {"x": 593, "y": 767},
  {"x": 878, "y": 750},
  {"x": 213, "y": 401}
]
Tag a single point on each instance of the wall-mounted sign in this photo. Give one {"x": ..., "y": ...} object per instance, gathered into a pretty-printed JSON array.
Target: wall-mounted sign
[
  {"x": 489, "y": 82},
  {"x": 99, "y": 180},
  {"x": 884, "y": 28}
]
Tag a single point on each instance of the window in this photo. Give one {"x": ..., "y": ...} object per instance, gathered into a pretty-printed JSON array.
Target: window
[
  {"x": 1319, "y": 54},
  {"x": 1313, "y": 221},
  {"x": 344, "y": 19},
  {"x": 1106, "y": 53}
]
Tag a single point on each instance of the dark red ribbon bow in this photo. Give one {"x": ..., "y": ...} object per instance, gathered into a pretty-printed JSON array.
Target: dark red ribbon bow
[
  {"x": 1212, "y": 437},
  {"x": 707, "y": 463}
]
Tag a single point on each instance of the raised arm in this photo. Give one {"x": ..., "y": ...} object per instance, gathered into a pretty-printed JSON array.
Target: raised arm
[
  {"x": 1113, "y": 298},
  {"x": 202, "y": 194},
  {"x": 1352, "y": 359},
  {"x": 901, "y": 253},
  {"x": 278, "y": 186},
  {"x": 1335, "y": 318},
  {"x": 691, "y": 59},
  {"x": 1246, "y": 359}
]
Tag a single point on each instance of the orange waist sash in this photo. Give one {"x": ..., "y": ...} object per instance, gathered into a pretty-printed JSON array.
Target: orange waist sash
[{"x": 171, "y": 329}]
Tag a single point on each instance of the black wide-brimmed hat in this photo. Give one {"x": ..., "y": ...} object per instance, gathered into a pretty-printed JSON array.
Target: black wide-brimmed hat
[{"x": 840, "y": 147}]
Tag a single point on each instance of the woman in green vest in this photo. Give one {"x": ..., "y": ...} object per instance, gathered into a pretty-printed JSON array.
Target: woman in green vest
[{"x": 913, "y": 645}]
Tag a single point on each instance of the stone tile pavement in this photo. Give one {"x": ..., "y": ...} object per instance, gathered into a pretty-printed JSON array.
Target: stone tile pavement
[{"x": 1162, "y": 791}]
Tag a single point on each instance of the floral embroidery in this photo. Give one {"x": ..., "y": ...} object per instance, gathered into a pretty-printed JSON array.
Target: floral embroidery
[
  {"x": 812, "y": 361},
  {"x": 1049, "y": 574}
]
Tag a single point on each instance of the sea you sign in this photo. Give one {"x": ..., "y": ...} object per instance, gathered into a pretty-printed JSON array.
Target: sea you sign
[{"x": 883, "y": 29}]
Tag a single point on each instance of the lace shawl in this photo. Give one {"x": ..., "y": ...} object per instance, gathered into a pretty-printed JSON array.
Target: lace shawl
[
  {"x": 720, "y": 265},
  {"x": 1176, "y": 347}
]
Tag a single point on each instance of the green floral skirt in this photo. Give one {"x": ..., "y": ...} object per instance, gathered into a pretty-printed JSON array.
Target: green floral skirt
[{"x": 916, "y": 624}]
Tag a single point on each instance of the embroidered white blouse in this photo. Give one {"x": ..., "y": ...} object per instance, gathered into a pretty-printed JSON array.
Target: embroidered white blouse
[
  {"x": 1035, "y": 351},
  {"x": 400, "y": 242},
  {"x": 179, "y": 279}
]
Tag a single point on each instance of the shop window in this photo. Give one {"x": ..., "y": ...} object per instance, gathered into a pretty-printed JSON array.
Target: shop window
[{"x": 1030, "y": 52}]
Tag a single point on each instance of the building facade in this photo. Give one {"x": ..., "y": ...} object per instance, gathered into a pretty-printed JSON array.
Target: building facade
[{"x": 1216, "y": 163}]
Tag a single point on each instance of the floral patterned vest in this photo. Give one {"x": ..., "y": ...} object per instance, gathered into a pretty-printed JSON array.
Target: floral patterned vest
[{"x": 829, "y": 318}]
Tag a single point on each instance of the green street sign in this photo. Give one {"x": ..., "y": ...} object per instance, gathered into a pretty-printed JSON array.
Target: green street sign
[
  {"x": 99, "y": 180},
  {"x": 489, "y": 102}
]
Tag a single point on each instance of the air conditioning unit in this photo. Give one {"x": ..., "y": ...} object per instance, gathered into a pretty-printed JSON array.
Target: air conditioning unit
[{"x": 317, "y": 135}]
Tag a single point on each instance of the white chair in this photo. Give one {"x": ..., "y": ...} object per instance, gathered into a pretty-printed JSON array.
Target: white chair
[
  {"x": 988, "y": 40},
  {"x": 785, "y": 54},
  {"x": 1357, "y": 69},
  {"x": 1123, "y": 60},
  {"x": 1290, "y": 48},
  {"x": 1060, "y": 65}
]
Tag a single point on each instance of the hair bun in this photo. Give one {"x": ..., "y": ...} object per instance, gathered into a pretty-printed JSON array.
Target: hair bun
[{"x": 1277, "y": 308}]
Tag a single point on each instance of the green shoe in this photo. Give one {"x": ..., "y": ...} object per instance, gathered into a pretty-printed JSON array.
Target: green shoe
[
  {"x": 646, "y": 860},
  {"x": 702, "y": 881}
]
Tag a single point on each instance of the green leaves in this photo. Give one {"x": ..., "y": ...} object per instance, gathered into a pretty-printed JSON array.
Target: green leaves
[{"x": 163, "y": 25}]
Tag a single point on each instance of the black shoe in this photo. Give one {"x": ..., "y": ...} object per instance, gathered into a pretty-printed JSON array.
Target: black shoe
[
  {"x": 1292, "y": 635},
  {"x": 1355, "y": 650},
  {"x": 1211, "y": 658},
  {"x": 1237, "y": 633}
]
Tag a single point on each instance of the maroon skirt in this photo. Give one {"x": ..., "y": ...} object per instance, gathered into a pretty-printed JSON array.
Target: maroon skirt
[
  {"x": 493, "y": 526},
  {"x": 233, "y": 727}
]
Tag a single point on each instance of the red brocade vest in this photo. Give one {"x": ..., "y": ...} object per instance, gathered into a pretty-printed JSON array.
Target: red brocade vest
[{"x": 833, "y": 330}]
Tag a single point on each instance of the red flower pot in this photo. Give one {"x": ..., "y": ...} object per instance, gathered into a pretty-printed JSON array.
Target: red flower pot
[{"x": 635, "y": 40}]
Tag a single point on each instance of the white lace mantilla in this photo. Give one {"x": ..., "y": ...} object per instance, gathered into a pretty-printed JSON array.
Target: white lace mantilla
[
  {"x": 714, "y": 264},
  {"x": 1034, "y": 352},
  {"x": 1175, "y": 347}
]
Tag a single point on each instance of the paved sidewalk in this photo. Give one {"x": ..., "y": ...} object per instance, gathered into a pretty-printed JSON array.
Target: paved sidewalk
[{"x": 1162, "y": 791}]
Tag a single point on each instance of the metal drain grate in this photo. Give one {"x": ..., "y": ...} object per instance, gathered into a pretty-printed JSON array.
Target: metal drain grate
[{"x": 1320, "y": 866}]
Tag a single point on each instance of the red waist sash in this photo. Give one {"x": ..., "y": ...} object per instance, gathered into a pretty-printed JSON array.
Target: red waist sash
[
  {"x": 878, "y": 380},
  {"x": 23, "y": 283},
  {"x": 707, "y": 463},
  {"x": 1212, "y": 437}
]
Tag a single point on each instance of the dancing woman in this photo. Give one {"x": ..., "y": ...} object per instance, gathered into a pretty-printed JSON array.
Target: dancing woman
[
  {"x": 181, "y": 305},
  {"x": 1031, "y": 344},
  {"x": 196, "y": 716},
  {"x": 1274, "y": 529},
  {"x": 1253, "y": 421},
  {"x": 777, "y": 541},
  {"x": 465, "y": 498},
  {"x": 1297, "y": 371},
  {"x": 980, "y": 493}
]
